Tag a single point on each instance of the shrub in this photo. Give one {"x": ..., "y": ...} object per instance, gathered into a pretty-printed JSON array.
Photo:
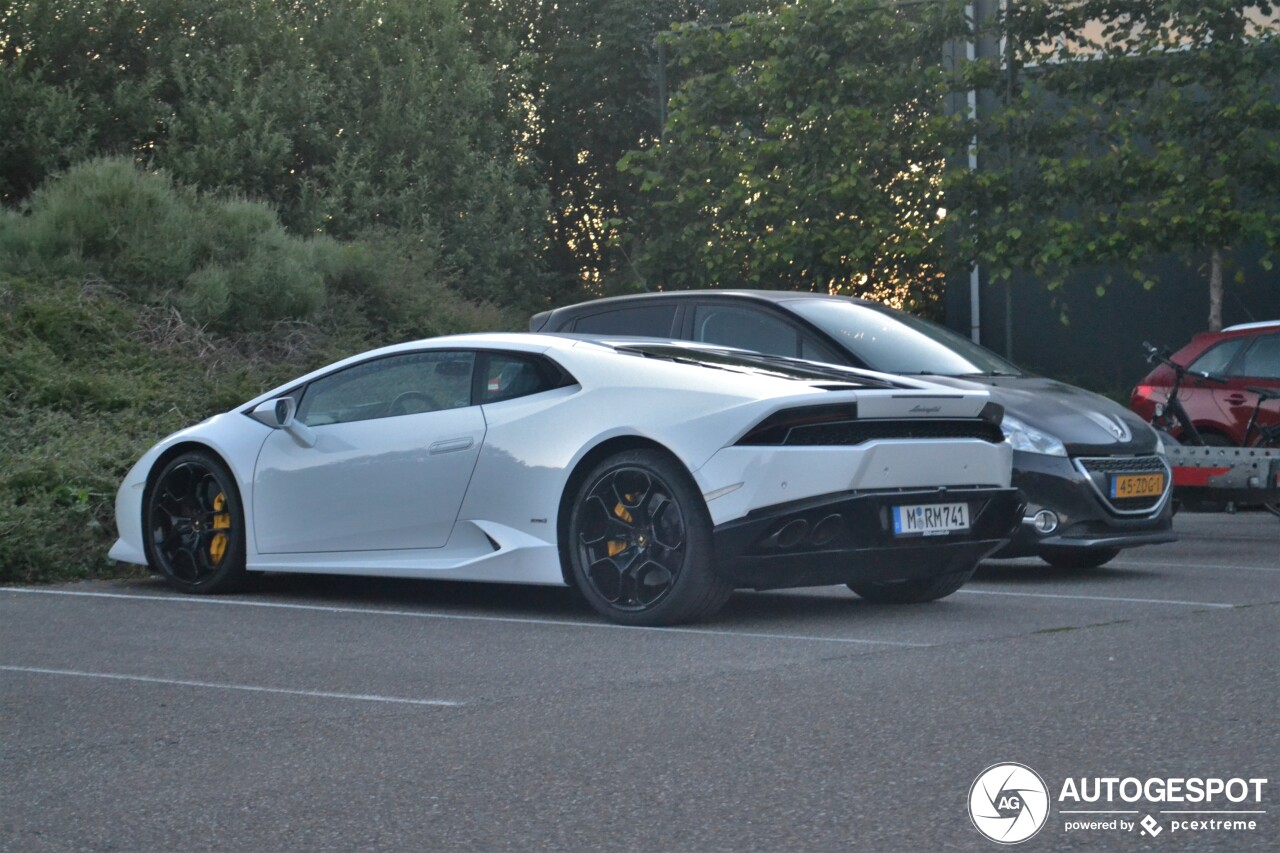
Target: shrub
[
  {"x": 128, "y": 226},
  {"x": 343, "y": 116},
  {"x": 227, "y": 263},
  {"x": 89, "y": 382},
  {"x": 45, "y": 129},
  {"x": 107, "y": 343}
]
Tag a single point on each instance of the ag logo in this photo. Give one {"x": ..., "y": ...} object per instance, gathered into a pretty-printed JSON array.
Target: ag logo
[{"x": 1008, "y": 803}]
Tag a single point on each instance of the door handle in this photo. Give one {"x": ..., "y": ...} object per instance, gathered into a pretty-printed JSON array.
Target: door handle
[
  {"x": 1235, "y": 399},
  {"x": 450, "y": 445}
]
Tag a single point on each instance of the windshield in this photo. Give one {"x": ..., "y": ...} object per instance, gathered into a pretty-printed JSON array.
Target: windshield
[{"x": 896, "y": 342}]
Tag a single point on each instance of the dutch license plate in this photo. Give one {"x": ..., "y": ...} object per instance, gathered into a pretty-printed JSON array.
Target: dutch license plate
[
  {"x": 930, "y": 519},
  {"x": 1137, "y": 485}
]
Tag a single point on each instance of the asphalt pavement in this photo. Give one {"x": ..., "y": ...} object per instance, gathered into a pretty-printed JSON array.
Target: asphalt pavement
[{"x": 321, "y": 713}]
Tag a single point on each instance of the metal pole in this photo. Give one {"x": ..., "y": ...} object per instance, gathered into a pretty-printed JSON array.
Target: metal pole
[
  {"x": 1006, "y": 54},
  {"x": 662, "y": 86},
  {"x": 975, "y": 273}
]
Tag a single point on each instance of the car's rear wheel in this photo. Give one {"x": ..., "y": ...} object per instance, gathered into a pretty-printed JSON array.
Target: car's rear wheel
[
  {"x": 1078, "y": 558},
  {"x": 194, "y": 524},
  {"x": 640, "y": 543},
  {"x": 913, "y": 591}
]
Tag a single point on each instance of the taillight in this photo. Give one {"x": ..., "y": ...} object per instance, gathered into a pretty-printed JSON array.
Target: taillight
[
  {"x": 1144, "y": 396},
  {"x": 1144, "y": 392},
  {"x": 775, "y": 428}
]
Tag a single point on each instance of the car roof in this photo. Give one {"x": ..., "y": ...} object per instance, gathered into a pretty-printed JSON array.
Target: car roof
[
  {"x": 596, "y": 305},
  {"x": 714, "y": 293},
  {"x": 531, "y": 342},
  {"x": 1261, "y": 324}
]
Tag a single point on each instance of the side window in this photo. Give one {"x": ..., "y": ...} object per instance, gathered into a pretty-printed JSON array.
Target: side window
[
  {"x": 389, "y": 387},
  {"x": 1216, "y": 358},
  {"x": 506, "y": 376},
  {"x": 651, "y": 321},
  {"x": 1262, "y": 360},
  {"x": 746, "y": 329},
  {"x": 815, "y": 350}
]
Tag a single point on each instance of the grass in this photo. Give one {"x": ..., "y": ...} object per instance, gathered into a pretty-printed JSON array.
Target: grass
[
  {"x": 131, "y": 307},
  {"x": 90, "y": 378}
]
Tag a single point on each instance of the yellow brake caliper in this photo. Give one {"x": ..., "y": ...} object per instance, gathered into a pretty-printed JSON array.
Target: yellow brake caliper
[
  {"x": 617, "y": 546},
  {"x": 221, "y": 521}
]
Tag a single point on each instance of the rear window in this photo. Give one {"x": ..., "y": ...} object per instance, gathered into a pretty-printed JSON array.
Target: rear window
[{"x": 506, "y": 376}]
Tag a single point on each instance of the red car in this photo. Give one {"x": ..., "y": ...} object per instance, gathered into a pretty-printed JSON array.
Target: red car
[{"x": 1246, "y": 356}]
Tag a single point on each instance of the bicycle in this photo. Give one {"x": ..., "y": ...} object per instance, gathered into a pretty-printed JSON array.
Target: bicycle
[{"x": 1171, "y": 415}]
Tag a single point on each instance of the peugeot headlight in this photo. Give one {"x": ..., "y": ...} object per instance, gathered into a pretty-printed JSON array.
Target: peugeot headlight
[{"x": 1030, "y": 440}]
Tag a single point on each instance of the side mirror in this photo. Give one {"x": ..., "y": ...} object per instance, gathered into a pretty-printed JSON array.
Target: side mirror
[{"x": 282, "y": 413}]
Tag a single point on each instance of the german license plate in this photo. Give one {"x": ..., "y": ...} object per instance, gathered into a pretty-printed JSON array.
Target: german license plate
[
  {"x": 1137, "y": 485},
  {"x": 930, "y": 519}
]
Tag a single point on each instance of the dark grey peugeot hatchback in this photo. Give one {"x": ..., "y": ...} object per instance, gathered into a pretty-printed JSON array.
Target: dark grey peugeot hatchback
[{"x": 1093, "y": 473}]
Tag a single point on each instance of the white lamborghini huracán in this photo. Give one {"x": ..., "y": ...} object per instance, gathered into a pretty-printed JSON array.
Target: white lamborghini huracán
[{"x": 654, "y": 476}]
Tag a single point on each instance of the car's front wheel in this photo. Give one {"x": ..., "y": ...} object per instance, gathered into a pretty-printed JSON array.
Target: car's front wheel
[
  {"x": 639, "y": 542},
  {"x": 914, "y": 591},
  {"x": 194, "y": 524},
  {"x": 1078, "y": 558}
]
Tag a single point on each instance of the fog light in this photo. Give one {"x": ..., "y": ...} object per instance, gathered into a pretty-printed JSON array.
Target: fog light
[{"x": 1045, "y": 521}]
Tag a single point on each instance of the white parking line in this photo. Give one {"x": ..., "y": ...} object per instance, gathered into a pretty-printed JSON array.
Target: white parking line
[
  {"x": 1147, "y": 564},
  {"x": 1098, "y": 598},
  {"x": 415, "y": 614},
  {"x": 180, "y": 682}
]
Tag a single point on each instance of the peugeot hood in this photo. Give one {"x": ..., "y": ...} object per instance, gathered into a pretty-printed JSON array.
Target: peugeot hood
[{"x": 1087, "y": 423}]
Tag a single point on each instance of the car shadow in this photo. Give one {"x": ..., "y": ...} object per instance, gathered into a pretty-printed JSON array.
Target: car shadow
[
  {"x": 518, "y": 601},
  {"x": 1030, "y": 574},
  {"x": 464, "y": 598},
  {"x": 548, "y": 603},
  {"x": 515, "y": 600},
  {"x": 752, "y": 606},
  {"x": 504, "y": 601}
]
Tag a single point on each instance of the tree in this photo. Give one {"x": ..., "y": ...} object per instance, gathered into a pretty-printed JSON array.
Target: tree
[
  {"x": 1130, "y": 130},
  {"x": 586, "y": 73},
  {"x": 344, "y": 116},
  {"x": 804, "y": 150}
]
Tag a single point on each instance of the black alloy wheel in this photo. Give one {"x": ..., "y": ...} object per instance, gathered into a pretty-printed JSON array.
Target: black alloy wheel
[
  {"x": 640, "y": 542},
  {"x": 193, "y": 524}
]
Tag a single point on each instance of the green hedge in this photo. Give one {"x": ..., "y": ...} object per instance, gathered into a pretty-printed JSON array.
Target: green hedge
[
  {"x": 130, "y": 308},
  {"x": 342, "y": 116}
]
